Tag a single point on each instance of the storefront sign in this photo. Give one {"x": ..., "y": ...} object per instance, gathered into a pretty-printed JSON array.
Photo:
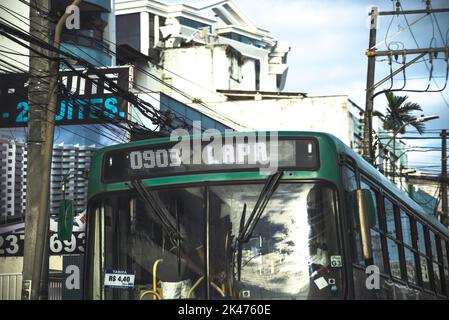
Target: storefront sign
[
  {"x": 83, "y": 99},
  {"x": 12, "y": 244}
]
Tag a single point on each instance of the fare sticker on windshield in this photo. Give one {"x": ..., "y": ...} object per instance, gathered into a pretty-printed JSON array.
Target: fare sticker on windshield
[
  {"x": 336, "y": 262},
  {"x": 119, "y": 279},
  {"x": 321, "y": 283}
]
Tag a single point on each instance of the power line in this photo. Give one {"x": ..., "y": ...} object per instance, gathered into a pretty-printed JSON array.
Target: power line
[
  {"x": 54, "y": 111},
  {"x": 84, "y": 126},
  {"x": 111, "y": 85},
  {"x": 428, "y": 69},
  {"x": 155, "y": 78}
]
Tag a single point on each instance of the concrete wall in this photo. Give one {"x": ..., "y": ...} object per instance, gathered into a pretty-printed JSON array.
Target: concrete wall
[
  {"x": 11, "y": 265},
  {"x": 325, "y": 114},
  {"x": 15, "y": 264},
  {"x": 197, "y": 71}
]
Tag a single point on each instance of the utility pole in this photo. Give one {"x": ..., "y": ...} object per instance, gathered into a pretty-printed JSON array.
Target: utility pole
[
  {"x": 372, "y": 53},
  {"x": 368, "y": 122},
  {"x": 445, "y": 209},
  {"x": 42, "y": 97},
  {"x": 394, "y": 160},
  {"x": 38, "y": 169}
]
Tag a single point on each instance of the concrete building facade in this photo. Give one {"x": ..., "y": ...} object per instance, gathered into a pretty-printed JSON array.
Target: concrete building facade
[
  {"x": 13, "y": 165},
  {"x": 198, "y": 48},
  {"x": 70, "y": 163}
]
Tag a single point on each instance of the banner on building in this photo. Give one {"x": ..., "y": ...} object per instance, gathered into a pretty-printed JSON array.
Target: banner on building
[
  {"x": 12, "y": 244},
  {"x": 83, "y": 98},
  {"x": 73, "y": 277}
]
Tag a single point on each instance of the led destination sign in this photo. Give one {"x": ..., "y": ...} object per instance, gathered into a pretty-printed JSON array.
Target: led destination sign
[{"x": 186, "y": 158}]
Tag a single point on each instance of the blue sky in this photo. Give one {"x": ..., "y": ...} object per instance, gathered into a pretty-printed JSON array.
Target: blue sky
[{"x": 328, "y": 41}]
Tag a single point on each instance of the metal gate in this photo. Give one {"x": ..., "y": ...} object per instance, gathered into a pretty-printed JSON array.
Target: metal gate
[
  {"x": 55, "y": 286},
  {"x": 10, "y": 286}
]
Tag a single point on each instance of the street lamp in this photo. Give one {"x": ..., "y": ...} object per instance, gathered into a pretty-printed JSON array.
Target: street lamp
[{"x": 414, "y": 121}]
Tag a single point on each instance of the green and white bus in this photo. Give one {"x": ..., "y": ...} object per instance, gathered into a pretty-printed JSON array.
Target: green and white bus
[{"x": 291, "y": 215}]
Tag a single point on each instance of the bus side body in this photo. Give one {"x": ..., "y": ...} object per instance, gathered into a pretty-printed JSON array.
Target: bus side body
[{"x": 410, "y": 249}]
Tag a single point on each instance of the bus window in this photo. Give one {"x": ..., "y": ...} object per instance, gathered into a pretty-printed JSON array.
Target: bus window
[
  {"x": 406, "y": 229},
  {"x": 137, "y": 242},
  {"x": 409, "y": 251},
  {"x": 433, "y": 245},
  {"x": 376, "y": 246},
  {"x": 392, "y": 242},
  {"x": 393, "y": 258},
  {"x": 425, "y": 278},
  {"x": 437, "y": 267},
  {"x": 444, "y": 254},
  {"x": 410, "y": 265},
  {"x": 349, "y": 179},
  {"x": 389, "y": 214},
  {"x": 287, "y": 254},
  {"x": 350, "y": 184},
  {"x": 421, "y": 238},
  {"x": 289, "y": 248}
]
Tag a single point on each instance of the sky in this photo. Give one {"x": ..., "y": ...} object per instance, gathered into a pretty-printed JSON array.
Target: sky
[{"x": 328, "y": 41}]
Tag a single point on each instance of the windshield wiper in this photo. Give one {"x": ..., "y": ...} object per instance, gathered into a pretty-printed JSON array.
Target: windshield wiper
[
  {"x": 170, "y": 227},
  {"x": 265, "y": 195},
  {"x": 246, "y": 229}
]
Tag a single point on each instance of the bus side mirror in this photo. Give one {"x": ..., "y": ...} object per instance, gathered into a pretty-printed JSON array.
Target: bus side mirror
[{"x": 366, "y": 211}]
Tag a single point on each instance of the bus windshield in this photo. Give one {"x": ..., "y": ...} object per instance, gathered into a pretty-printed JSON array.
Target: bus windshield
[{"x": 287, "y": 254}]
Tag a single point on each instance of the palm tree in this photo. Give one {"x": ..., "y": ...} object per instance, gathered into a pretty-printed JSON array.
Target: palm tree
[
  {"x": 400, "y": 113},
  {"x": 398, "y": 116}
]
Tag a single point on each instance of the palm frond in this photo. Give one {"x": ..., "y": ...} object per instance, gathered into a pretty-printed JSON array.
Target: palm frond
[
  {"x": 411, "y": 106},
  {"x": 420, "y": 127},
  {"x": 400, "y": 113},
  {"x": 378, "y": 114}
]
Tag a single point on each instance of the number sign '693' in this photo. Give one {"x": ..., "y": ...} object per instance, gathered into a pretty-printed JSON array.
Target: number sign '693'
[{"x": 12, "y": 244}]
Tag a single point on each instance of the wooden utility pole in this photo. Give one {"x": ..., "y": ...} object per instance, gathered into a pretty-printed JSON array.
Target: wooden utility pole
[
  {"x": 372, "y": 53},
  {"x": 38, "y": 166},
  {"x": 367, "y": 120},
  {"x": 42, "y": 98}
]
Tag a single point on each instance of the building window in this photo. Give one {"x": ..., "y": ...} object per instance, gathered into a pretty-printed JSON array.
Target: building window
[
  {"x": 128, "y": 30},
  {"x": 243, "y": 39},
  {"x": 92, "y": 26},
  {"x": 194, "y": 24}
]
